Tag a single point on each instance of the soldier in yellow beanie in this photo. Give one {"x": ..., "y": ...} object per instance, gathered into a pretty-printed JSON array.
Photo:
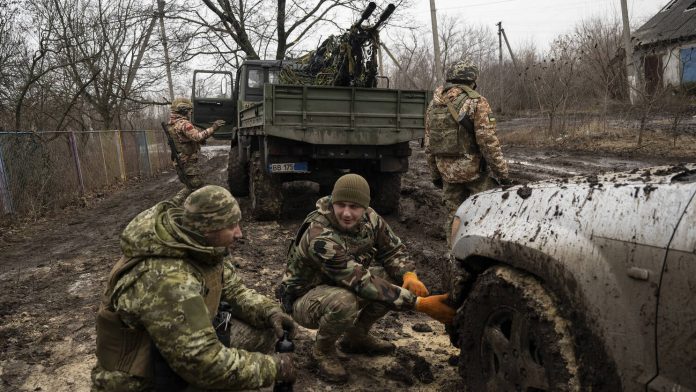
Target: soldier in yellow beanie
[{"x": 346, "y": 269}]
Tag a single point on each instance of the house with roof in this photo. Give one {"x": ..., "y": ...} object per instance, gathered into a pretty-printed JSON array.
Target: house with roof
[{"x": 665, "y": 47}]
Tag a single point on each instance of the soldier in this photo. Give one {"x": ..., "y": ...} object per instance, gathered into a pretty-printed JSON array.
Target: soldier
[
  {"x": 154, "y": 329},
  {"x": 346, "y": 269},
  {"x": 461, "y": 146},
  {"x": 188, "y": 139}
]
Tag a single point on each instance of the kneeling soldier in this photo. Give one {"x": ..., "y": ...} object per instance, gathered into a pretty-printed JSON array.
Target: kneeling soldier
[
  {"x": 154, "y": 326},
  {"x": 346, "y": 269}
]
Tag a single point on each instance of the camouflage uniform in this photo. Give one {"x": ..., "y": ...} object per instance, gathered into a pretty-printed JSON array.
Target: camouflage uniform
[
  {"x": 161, "y": 298},
  {"x": 468, "y": 170},
  {"x": 188, "y": 139},
  {"x": 331, "y": 278}
]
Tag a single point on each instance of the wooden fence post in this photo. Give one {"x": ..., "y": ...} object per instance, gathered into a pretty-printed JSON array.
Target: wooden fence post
[
  {"x": 5, "y": 193},
  {"x": 119, "y": 153},
  {"x": 144, "y": 153},
  {"x": 101, "y": 150},
  {"x": 76, "y": 157}
]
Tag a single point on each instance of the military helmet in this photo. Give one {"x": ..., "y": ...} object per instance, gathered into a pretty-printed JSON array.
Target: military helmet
[
  {"x": 462, "y": 71},
  {"x": 210, "y": 208},
  {"x": 181, "y": 105}
]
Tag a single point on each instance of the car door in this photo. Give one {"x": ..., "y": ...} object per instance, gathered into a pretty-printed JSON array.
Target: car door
[
  {"x": 676, "y": 311},
  {"x": 213, "y": 100}
]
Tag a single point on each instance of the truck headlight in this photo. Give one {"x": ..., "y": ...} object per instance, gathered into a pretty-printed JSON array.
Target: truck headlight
[{"x": 455, "y": 228}]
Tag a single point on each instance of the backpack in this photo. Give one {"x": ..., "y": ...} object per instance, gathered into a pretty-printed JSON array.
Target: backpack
[{"x": 447, "y": 136}]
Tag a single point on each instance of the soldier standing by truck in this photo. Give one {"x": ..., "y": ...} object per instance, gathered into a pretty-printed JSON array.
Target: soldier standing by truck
[
  {"x": 461, "y": 146},
  {"x": 346, "y": 269},
  {"x": 187, "y": 140}
]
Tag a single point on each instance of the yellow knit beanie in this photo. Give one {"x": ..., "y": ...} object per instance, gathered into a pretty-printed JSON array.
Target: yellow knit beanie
[{"x": 352, "y": 188}]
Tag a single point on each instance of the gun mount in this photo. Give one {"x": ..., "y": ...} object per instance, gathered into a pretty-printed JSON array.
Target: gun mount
[{"x": 347, "y": 60}]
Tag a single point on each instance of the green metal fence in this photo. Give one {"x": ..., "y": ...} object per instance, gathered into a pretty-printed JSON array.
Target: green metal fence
[{"x": 40, "y": 170}]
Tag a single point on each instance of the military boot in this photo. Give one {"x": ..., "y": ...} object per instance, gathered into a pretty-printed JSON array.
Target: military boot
[
  {"x": 329, "y": 364},
  {"x": 357, "y": 340},
  {"x": 356, "y": 343}
]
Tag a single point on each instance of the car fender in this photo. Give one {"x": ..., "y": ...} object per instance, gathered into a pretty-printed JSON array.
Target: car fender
[{"x": 599, "y": 248}]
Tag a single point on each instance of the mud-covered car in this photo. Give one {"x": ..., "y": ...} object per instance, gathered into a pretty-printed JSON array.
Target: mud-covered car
[{"x": 586, "y": 283}]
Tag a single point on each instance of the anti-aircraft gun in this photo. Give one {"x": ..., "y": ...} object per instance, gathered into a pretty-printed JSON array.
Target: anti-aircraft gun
[
  {"x": 314, "y": 119},
  {"x": 346, "y": 60}
]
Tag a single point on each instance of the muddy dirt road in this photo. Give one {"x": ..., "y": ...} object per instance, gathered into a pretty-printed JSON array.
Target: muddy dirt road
[{"x": 52, "y": 272}]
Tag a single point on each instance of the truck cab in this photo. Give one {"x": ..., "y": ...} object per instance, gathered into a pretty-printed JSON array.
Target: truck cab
[{"x": 218, "y": 95}]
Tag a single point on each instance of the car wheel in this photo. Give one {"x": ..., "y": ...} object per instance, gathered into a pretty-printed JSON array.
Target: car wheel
[
  {"x": 386, "y": 192},
  {"x": 512, "y": 337},
  {"x": 237, "y": 176},
  {"x": 265, "y": 191}
]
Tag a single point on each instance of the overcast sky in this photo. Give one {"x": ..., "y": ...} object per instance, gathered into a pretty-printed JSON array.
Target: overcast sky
[{"x": 538, "y": 21}]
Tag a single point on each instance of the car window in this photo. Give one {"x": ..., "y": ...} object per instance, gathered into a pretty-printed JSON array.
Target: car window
[
  {"x": 273, "y": 76},
  {"x": 255, "y": 79}
]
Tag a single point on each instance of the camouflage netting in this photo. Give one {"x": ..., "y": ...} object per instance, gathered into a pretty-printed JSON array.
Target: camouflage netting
[{"x": 346, "y": 60}]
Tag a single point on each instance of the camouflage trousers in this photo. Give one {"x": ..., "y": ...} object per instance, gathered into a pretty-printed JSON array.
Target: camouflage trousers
[
  {"x": 453, "y": 195},
  {"x": 242, "y": 336},
  {"x": 335, "y": 310},
  {"x": 190, "y": 175}
]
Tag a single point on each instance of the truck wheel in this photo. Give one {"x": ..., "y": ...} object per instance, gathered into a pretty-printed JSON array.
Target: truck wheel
[
  {"x": 386, "y": 192},
  {"x": 237, "y": 175},
  {"x": 265, "y": 191},
  {"x": 512, "y": 337}
]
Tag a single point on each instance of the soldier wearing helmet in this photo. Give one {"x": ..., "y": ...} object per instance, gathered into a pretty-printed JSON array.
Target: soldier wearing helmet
[
  {"x": 155, "y": 324},
  {"x": 188, "y": 139},
  {"x": 461, "y": 146}
]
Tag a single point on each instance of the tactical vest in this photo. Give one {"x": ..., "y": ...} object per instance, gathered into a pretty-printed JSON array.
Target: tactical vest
[
  {"x": 186, "y": 149},
  {"x": 362, "y": 251},
  {"x": 447, "y": 137},
  {"x": 125, "y": 349}
]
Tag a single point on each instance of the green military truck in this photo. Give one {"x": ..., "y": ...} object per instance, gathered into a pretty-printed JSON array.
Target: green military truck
[{"x": 281, "y": 133}]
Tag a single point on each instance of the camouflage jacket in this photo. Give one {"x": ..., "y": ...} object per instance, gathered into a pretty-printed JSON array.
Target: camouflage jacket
[
  {"x": 163, "y": 294},
  {"x": 323, "y": 254},
  {"x": 458, "y": 169},
  {"x": 187, "y": 137}
]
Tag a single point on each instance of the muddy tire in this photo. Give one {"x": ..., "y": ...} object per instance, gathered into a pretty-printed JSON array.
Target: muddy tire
[
  {"x": 386, "y": 192},
  {"x": 237, "y": 175},
  {"x": 512, "y": 337},
  {"x": 265, "y": 191}
]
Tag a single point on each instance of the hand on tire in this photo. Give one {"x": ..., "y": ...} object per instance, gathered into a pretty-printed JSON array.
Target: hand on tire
[{"x": 436, "y": 307}]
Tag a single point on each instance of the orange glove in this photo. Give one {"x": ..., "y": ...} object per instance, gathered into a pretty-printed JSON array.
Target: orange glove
[
  {"x": 412, "y": 284},
  {"x": 435, "y": 307}
]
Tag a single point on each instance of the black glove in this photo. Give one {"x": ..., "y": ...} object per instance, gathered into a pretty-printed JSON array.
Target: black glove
[
  {"x": 285, "y": 367},
  {"x": 280, "y": 321},
  {"x": 438, "y": 183}
]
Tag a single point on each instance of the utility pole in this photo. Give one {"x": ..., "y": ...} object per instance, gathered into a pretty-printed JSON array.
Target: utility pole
[
  {"x": 507, "y": 43},
  {"x": 168, "y": 65},
  {"x": 628, "y": 48},
  {"x": 500, "y": 66},
  {"x": 436, "y": 43},
  {"x": 403, "y": 71}
]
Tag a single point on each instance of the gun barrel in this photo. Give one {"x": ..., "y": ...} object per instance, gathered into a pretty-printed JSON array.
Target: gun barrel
[
  {"x": 366, "y": 14},
  {"x": 385, "y": 15}
]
